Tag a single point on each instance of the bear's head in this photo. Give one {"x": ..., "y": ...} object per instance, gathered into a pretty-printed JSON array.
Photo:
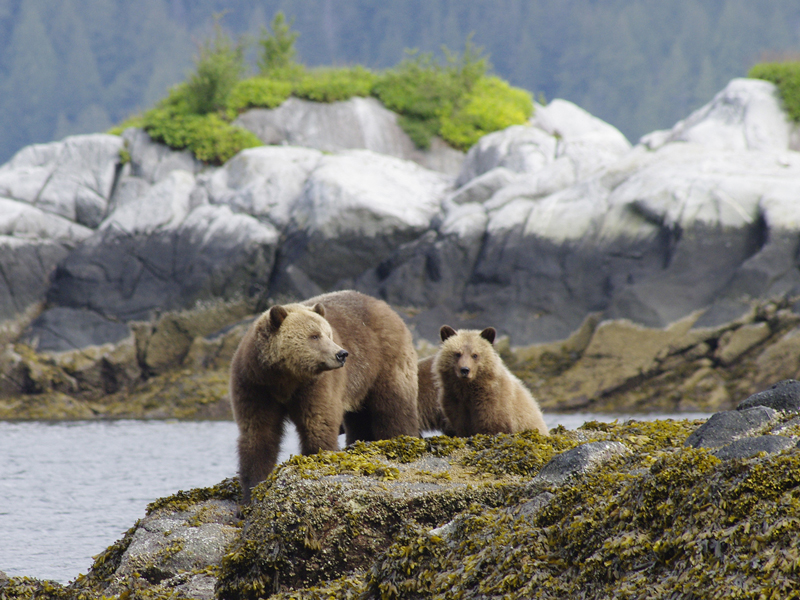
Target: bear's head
[
  {"x": 299, "y": 340},
  {"x": 466, "y": 353}
]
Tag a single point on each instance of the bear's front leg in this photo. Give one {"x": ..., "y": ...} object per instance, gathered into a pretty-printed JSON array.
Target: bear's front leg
[
  {"x": 318, "y": 419},
  {"x": 259, "y": 443}
]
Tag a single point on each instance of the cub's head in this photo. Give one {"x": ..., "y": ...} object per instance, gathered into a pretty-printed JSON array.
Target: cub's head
[
  {"x": 298, "y": 339},
  {"x": 466, "y": 354}
]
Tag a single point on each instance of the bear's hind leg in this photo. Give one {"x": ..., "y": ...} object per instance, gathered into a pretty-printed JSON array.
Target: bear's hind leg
[
  {"x": 392, "y": 406},
  {"x": 358, "y": 426}
]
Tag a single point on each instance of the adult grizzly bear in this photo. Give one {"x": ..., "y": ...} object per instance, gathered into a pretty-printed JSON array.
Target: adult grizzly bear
[
  {"x": 430, "y": 411},
  {"x": 476, "y": 391},
  {"x": 338, "y": 358}
]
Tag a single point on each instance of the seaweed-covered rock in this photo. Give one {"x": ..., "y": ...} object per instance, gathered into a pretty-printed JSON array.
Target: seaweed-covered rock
[
  {"x": 474, "y": 518},
  {"x": 580, "y": 460},
  {"x": 747, "y": 447}
]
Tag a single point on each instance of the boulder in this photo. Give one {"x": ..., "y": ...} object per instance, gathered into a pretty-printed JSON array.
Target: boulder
[
  {"x": 579, "y": 461},
  {"x": 728, "y": 426},
  {"x": 746, "y": 115},
  {"x": 140, "y": 263},
  {"x": 748, "y": 447},
  {"x": 783, "y": 396},
  {"x": 32, "y": 243},
  {"x": 357, "y": 207},
  {"x": 72, "y": 178},
  {"x": 562, "y": 145},
  {"x": 152, "y": 161},
  {"x": 357, "y": 123},
  {"x": 264, "y": 182}
]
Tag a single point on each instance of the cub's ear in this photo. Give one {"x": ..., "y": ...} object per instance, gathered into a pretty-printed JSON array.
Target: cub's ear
[
  {"x": 319, "y": 309},
  {"x": 276, "y": 316},
  {"x": 446, "y": 331},
  {"x": 489, "y": 334}
]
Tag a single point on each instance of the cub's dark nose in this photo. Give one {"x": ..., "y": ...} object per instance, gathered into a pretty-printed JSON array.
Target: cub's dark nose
[
  {"x": 464, "y": 371},
  {"x": 341, "y": 355}
]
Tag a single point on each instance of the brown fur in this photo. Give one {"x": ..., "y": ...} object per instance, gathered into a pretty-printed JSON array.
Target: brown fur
[
  {"x": 477, "y": 392},
  {"x": 286, "y": 366}
]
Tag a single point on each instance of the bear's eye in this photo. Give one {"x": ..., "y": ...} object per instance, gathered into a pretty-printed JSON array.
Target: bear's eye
[
  {"x": 474, "y": 357},
  {"x": 314, "y": 336},
  {"x": 458, "y": 354}
]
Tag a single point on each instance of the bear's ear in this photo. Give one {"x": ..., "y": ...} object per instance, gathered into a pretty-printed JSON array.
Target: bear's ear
[
  {"x": 276, "y": 316},
  {"x": 319, "y": 309},
  {"x": 446, "y": 331},
  {"x": 489, "y": 334}
]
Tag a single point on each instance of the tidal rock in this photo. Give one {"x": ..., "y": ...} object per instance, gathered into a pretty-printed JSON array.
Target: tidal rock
[
  {"x": 578, "y": 461},
  {"x": 783, "y": 396},
  {"x": 728, "y": 426},
  {"x": 748, "y": 447},
  {"x": 60, "y": 329}
]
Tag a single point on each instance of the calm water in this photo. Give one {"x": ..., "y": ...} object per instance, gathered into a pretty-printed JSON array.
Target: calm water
[{"x": 70, "y": 490}]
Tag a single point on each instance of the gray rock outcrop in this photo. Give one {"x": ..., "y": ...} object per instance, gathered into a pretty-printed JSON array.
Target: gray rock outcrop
[{"x": 543, "y": 224}]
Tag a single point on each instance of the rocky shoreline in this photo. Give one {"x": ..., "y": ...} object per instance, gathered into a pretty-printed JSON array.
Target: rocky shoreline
[
  {"x": 177, "y": 367},
  {"x": 611, "y": 510}
]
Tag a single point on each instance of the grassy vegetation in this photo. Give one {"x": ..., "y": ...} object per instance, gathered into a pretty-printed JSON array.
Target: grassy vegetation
[
  {"x": 786, "y": 75},
  {"x": 456, "y": 99}
]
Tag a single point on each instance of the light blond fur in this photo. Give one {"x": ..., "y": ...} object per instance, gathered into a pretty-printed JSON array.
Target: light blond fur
[
  {"x": 286, "y": 367},
  {"x": 476, "y": 391}
]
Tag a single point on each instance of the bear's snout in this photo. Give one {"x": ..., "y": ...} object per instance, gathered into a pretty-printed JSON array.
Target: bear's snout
[
  {"x": 463, "y": 372},
  {"x": 342, "y": 355}
]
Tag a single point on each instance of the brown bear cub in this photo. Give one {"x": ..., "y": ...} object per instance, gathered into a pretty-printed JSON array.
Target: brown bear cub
[
  {"x": 338, "y": 358},
  {"x": 477, "y": 392}
]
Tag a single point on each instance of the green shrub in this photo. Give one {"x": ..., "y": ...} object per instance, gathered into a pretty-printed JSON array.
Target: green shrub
[
  {"x": 492, "y": 105},
  {"x": 218, "y": 68},
  {"x": 333, "y": 85},
  {"x": 257, "y": 92},
  {"x": 207, "y": 136},
  {"x": 456, "y": 100},
  {"x": 422, "y": 91},
  {"x": 786, "y": 76},
  {"x": 277, "y": 48}
]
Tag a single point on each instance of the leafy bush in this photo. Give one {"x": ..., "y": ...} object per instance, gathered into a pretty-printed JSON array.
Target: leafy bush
[
  {"x": 786, "y": 76},
  {"x": 257, "y": 92},
  {"x": 219, "y": 67},
  {"x": 333, "y": 85},
  {"x": 456, "y": 101},
  {"x": 422, "y": 91},
  {"x": 492, "y": 105},
  {"x": 208, "y": 136}
]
